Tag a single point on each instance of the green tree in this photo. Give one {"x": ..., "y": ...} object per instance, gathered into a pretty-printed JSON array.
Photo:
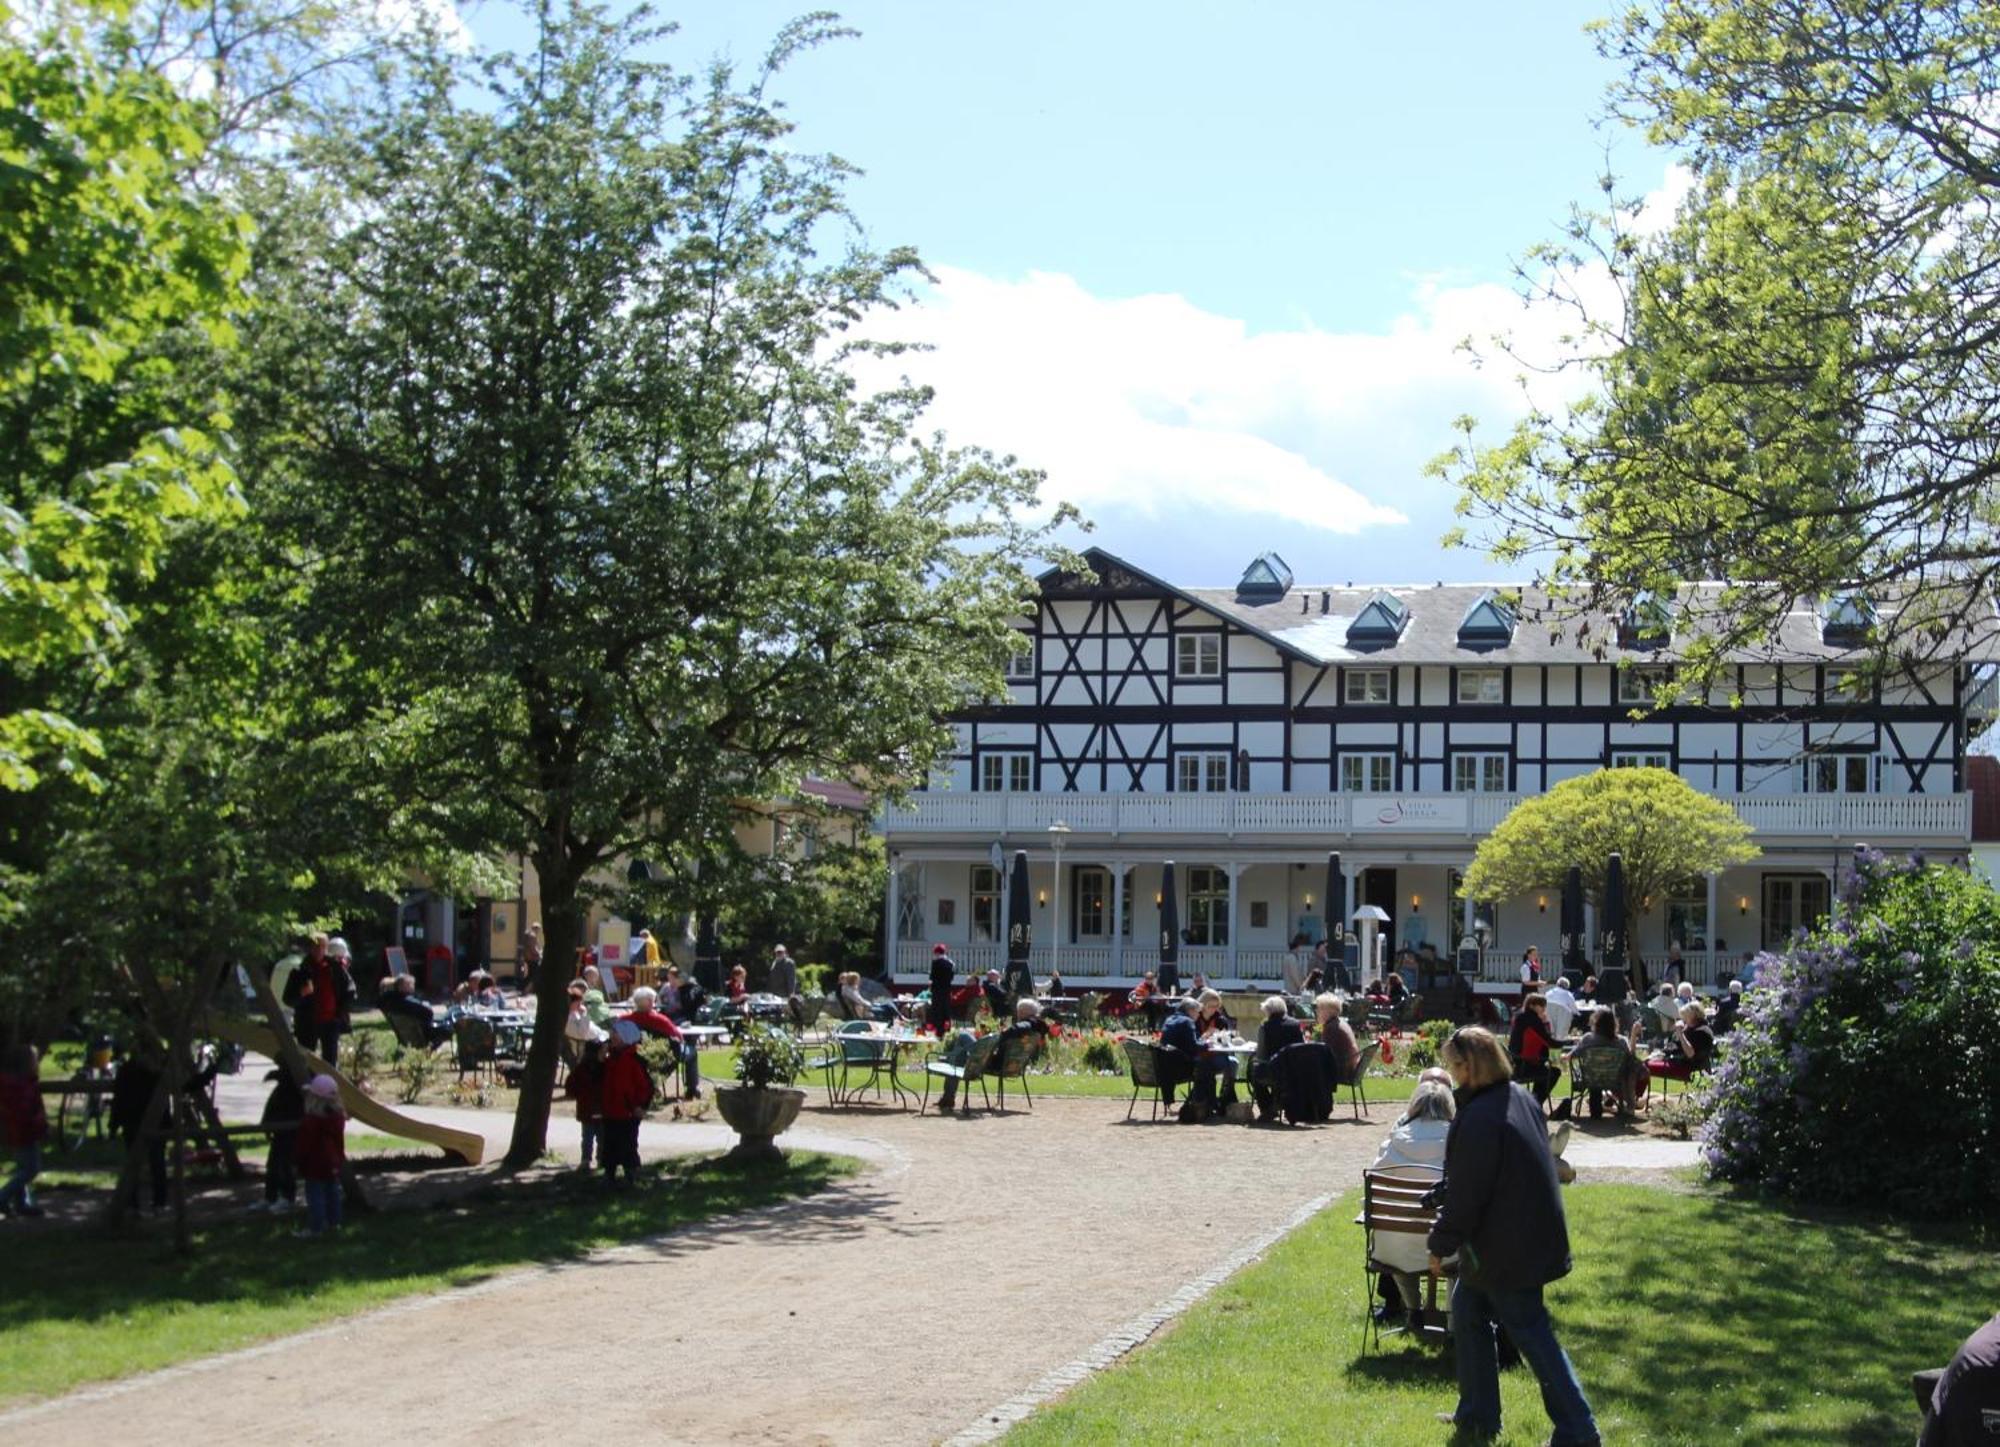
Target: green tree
[
  {"x": 111, "y": 264},
  {"x": 1797, "y": 390},
  {"x": 1667, "y": 832},
  {"x": 586, "y": 498}
]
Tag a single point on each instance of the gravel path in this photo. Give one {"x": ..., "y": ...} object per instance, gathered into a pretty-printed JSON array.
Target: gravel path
[{"x": 1043, "y": 1235}]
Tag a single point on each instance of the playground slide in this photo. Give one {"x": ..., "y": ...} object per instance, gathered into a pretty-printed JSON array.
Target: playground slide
[{"x": 360, "y": 1105}]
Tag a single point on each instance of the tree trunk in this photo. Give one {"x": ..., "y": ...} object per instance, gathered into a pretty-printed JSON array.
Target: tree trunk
[{"x": 562, "y": 935}]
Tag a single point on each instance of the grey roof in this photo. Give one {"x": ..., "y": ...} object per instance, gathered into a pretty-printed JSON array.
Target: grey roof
[{"x": 1311, "y": 624}]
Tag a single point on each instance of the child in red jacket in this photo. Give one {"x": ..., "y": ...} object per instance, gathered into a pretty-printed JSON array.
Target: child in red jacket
[
  {"x": 320, "y": 1154},
  {"x": 586, "y": 1087},
  {"x": 628, "y": 1090},
  {"x": 26, "y": 1125}
]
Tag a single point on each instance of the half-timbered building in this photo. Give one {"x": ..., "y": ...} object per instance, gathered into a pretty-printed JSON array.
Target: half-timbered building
[{"x": 1245, "y": 732}]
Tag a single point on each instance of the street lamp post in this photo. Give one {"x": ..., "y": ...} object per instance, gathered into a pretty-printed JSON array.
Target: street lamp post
[{"x": 1058, "y": 835}]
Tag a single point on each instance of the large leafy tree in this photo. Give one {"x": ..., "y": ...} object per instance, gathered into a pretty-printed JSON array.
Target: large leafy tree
[
  {"x": 1799, "y": 386},
  {"x": 111, "y": 265},
  {"x": 591, "y": 509},
  {"x": 1666, "y": 831}
]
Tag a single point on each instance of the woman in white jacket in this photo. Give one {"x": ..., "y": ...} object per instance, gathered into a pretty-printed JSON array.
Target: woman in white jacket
[{"x": 1414, "y": 1148}]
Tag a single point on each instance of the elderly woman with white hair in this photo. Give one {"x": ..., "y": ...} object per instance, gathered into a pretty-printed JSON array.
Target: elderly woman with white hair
[
  {"x": 1415, "y": 1148},
  {"x": 1278, "y": 1031}
]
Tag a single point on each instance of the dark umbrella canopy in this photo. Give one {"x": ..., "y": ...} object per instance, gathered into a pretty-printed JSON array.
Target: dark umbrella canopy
[
  {"x": 1336, "y": 923},
  {"x": 1572, "y": 922},
  {"x": 708, "y": 955},
  {"x": 1170, "y": 931},
  {"x": 1020, "y": 927},
  {"x": 1612, "y": 927}
]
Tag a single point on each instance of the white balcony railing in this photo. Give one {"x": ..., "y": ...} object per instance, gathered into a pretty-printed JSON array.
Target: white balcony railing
[{"x": 1842, "y": 818}]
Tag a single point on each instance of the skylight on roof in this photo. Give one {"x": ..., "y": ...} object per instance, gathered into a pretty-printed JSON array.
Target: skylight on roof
[
  {"x": 1379, "y": 622},
  {"x": 1268, "y": 577},
  {"x": 1487, "y": 623},
  {"x": 1846, "y": 619}
]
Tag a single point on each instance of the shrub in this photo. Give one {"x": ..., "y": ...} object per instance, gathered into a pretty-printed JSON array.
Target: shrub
[
  {"x": 1101, "y": 1053},
  {"x": 413, "y": 1070},
  {"x": 769, "y": 1056},
  {"x": 815, "y": 979},
  {"x": 1866, "y": 1065},
  {"x": 362, "y": 1057},
  {"x": 1420, "y": 1052}
]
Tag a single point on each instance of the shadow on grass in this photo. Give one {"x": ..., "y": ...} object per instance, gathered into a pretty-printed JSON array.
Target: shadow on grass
[{"x": 79, "y": 1277}]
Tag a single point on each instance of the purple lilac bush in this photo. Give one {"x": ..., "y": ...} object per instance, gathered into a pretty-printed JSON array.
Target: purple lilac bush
[{"x": 1866, "y": 1065}]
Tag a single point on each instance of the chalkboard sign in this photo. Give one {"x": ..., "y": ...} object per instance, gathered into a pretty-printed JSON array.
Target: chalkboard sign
[{"x": 397, "y": 961}]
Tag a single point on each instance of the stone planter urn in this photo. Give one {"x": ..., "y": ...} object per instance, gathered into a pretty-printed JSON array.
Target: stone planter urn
[{"x": 758, "y": 1114}]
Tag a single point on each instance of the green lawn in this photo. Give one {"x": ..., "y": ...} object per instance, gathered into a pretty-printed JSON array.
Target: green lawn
[
  {"x": 1693, "y": 1319},
  {"x": 83, "y": 1308}
]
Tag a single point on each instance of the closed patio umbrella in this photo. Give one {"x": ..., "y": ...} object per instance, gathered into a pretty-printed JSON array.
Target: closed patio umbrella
[
  {"x": 1611, "y": 963},
  {"x": 1337, "y": 951},
  {"x": 1170, "y": 932},
  {"x": 708, "y": 955},
  {"x": 1573, "y": 961},
  {"x": 1019, "y": 978}
]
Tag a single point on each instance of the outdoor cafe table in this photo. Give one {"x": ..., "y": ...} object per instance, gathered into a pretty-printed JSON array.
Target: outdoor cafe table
[
  {"x": 512, "y": 1029},
  {"x": 887, "y": 1047}
]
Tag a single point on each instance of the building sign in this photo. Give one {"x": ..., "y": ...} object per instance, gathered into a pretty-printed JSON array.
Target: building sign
[{"x": 1410, "y": 813}]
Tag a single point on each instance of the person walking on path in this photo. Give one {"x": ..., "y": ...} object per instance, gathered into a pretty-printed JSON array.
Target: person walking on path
[
  {"x": 943, "y": 971},
  {"x": 320, "y": 991},
  {"x": 1502, "y": 1215}
]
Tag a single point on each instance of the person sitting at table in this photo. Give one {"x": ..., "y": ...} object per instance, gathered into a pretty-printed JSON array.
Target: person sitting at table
[
  {"x": 1533, "y": 1046},
  {"x": 1055, "y": 983},
  {"x": 577, "y": 1024},
  {"x": 1562, "y": 1007},
  {"x": 488, "y": 995},
  {"x": 1136, "y": 997},
  {"x": 1396, "y": 988},
  {"x": 1194, "y": 1032},
  {"x": 1315, "y": 982},
  {"x": 1027, "y": 1021},
  {"x": 593, "y": 995},
  {"x": 1603, "y": 1035},
  {"x": 1414, "y": 1147},
  {"x": 995, "y": 993},
  {"x": 1689, "y": 1049},
  {"x": 1586, "y": 993},
  {"x": 1278, "y": 1031},
  {"x": 1337, "y": 1035},
  {"x": 739, "y": 984},
  {"x": 646, "y": 1015},
  {"x": 1197, "y": 984},
  {"x": 402, "y": 1000},
  {"x": 1727, "y": 1008}
]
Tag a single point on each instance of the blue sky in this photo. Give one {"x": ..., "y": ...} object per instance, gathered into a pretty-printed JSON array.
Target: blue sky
[{"x": 1209, "y": 265}]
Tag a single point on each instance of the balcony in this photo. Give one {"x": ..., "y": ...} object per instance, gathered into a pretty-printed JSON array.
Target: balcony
[{"x": 1362, "y": 818}]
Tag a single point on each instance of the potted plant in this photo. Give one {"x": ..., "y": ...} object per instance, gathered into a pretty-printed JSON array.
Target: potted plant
[{"x": 763, "y": 1104}]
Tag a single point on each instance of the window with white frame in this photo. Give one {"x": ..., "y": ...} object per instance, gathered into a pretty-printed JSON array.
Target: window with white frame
[
  {"x": 1840, "y": 774},
  {"x": 1093, "y": 903},
  {"x": 1687, "y": 916},
  {"x": 1202, "y": 773},
  {"x": 1367, "y": 773},
  {"x": 1006, "y": 773},
  {"x": 1021, "y": 666},
  {"x": 1198, "y": 655},
  {"x": 1125, "y": 904},
  {"x": 1208, "y": 906},
  {"x": 1638, "y": 685},
  {"x": 985, "y": 903},
  {"x": 1482, "y": 685},
  {"x": 1479, "y": 773},
  {"x": 1365, "y": 685},
  {"x": 1641, "y": 759}
]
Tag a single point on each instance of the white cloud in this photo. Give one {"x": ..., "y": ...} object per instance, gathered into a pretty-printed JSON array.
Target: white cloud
[{"x": 1153, "y": 405}]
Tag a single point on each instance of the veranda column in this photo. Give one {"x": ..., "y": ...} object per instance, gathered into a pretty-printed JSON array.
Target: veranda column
[
  {"x": 1713, "y": 921},
  {"x": 1118, "y": 868},
  {"x": 895, "y": 913},
  {"x": 1234, "y": 869}
]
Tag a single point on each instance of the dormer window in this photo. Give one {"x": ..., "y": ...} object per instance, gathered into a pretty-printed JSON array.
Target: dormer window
[
  {"x": 1266, "y": 580},
  {"x": 1488, "y": 623},
  {"x": 1645, "y": 623},
  {"x": 1846, "y": 621},
  {"x": 1379, "y": 623}
]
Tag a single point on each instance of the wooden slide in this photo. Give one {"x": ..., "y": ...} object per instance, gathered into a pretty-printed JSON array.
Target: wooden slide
[{"x": 360, "y": 1105}]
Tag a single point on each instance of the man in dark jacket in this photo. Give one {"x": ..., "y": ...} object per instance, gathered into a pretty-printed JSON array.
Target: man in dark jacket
[
  {"x": 1965, "y": 1405},
  {"x": 943, "y": 972},
  {"x": 1502, "y": 1216}
]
